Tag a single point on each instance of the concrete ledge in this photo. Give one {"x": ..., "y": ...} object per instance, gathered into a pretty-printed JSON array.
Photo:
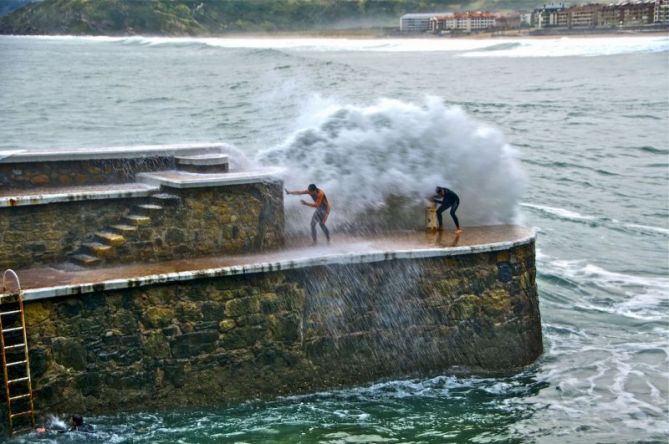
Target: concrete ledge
[
  {"x": 120, "y": 152},
  {"x": 78, "y": 194},
  {"x": 203, "y": 159},
  {"x": 182, "y": 179},
  {"x": 279, "y": 265}
]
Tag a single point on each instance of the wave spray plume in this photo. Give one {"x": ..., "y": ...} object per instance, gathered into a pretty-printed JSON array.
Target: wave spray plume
[{"x": 378, "y": 163}]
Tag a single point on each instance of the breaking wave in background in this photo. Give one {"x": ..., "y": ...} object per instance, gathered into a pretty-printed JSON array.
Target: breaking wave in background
[
  {"x": 498, "y": 47},
  {"x": 364, "y": 157}
]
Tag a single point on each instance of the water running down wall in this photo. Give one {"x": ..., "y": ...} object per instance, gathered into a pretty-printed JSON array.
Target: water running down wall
[{"x": 230, "y": 338}]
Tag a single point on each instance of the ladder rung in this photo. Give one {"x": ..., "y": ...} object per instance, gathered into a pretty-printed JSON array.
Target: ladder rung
[
  {"x": 13, "y": 398},
  {"x": 8, "y": 330},
  {"x": 21, "y": 414},
  {"x": 13, "y": 381},
  {"x": 15, "y": 346},
  {"x": 4, "y": 313},
  {"x": 22, "y": 430},
  {"x": 9, "y": 364}
]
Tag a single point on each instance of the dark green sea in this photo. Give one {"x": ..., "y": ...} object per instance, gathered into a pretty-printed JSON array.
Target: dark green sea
[{"x": 567, "y": 135}]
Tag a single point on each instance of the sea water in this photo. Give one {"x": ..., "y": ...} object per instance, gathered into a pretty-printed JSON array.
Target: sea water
[{"x": 567, "y": 135}]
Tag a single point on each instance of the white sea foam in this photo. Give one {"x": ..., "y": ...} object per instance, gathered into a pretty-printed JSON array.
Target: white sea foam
[
  {"x": 638, "y": 297},
  {"x": 571, "y": 47},
  {"x": 361, "y": 155},
  {"x": 525, "y": 47},
  {"x": 561, "y": 213},
  {"x": 649, "y": 228},
  {"x": 569, "y": 215},
  {"x": 598, "y": 377}
]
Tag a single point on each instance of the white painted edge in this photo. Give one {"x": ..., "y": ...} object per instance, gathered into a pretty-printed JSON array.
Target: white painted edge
[
  {"x": 142, "y": 190},
  {"x": 198, "y": 180},
  {"x": 202, "y": 159},
  {"x": 235, "y": 270},
  {"x": 117, "y": 152}
]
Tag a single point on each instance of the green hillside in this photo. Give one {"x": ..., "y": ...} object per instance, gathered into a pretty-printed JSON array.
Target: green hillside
[{"x": 207, "y": 17}]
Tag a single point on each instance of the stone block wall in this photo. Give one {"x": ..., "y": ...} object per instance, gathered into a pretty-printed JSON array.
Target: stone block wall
[
  {"x": 209, "y": 221},
  {"x": 206, "y": 221},
  {"x": 43, "y": 234},
  {"x": 79, "y": 172},
  {"x": 231, "y": 338}
]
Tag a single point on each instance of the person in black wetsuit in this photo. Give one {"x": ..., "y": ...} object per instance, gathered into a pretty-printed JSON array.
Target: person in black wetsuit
[
  {"x": 77, "y": 425},
  {"x": 447, "y": 199}
]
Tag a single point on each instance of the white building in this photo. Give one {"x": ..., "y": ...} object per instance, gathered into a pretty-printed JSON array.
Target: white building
[
  {"x": 419, "y": 22},
  {"x": 470, "y": 21},
  {"x": 548, "y": 15}
]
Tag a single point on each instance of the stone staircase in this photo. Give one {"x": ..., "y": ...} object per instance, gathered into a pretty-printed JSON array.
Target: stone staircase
[
  {"x": 105, "y": 244},
  {"x": 114, "y": 241}
]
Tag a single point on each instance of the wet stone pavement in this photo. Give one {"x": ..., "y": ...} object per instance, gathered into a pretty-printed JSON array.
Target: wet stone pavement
[{"x": 295, "y": 250}]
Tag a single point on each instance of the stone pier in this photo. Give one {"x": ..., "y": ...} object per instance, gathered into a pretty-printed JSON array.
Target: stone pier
[{"x": 202, "y": 301}]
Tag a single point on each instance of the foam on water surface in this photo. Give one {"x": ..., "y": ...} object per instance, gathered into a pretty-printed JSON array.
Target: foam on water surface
[{"x": 473, "y": 48}]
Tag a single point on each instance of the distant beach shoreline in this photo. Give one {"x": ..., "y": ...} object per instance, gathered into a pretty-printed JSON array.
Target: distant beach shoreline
[{"x": 371, "y": 34}]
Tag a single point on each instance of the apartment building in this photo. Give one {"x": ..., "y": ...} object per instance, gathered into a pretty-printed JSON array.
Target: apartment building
[
  {"x": 464, "y": 22},
  {"x": 585, "y": 16},
  {"x": 419, "y": 22},
  {"x": 661, "y": 13},
  {"x": 548, "y": 15}
]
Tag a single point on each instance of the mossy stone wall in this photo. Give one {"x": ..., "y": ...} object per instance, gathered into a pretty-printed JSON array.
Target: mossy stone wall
[
  {"x": 227, "y": 339},
  {"x": 41, "y": 234},
  {"x": 205, "y": 221},
  {"x": 79, "y": 172}
]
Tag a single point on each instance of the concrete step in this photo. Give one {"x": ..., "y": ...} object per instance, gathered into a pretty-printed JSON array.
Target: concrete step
[
  {"x": 98, "y": 249},
  {"x": 85, "y": 260},
  {"x": 203, "y": 163},
  {"x": 165, "y": 199},
  {"x": 113, "y": 239},
  {"x": 146, "y": 209},
  {"x": 134, "y": 219},
  {"x": 123, "y": 230}
]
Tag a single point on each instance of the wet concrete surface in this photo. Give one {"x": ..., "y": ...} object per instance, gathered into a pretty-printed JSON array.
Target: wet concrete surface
[
  {"x": 74, "y": 190},
  {"x": 295, "y": 249}
]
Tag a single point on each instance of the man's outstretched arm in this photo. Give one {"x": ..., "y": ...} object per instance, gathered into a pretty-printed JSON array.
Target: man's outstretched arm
[{"x": 297, "y": 192}]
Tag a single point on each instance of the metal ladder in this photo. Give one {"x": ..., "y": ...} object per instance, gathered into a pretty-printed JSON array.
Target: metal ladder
[{"x": 15, "y": 359}]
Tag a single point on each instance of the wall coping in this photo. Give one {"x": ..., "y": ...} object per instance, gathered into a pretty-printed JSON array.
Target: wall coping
[
  {"x": 203, "y": 159},
  {"x": 113, "y": 191},
  {"x": 182, "y": 179},
  {"x": 281, "y": 265},
  {"x": 104, "y": 153}
]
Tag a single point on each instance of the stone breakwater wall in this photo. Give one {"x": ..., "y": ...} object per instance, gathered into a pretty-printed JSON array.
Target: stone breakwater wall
[
  {"x": 204, "y": 221},
  {"x": 247, "y": 334},
  {"x": 24, "y": 175}
]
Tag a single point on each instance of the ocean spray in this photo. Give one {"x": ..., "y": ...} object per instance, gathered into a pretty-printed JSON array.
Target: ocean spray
[{"x": 379, "y": 163}]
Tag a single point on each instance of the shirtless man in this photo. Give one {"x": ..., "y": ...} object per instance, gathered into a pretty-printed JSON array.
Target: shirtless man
[{"x": 320, "y": 202}]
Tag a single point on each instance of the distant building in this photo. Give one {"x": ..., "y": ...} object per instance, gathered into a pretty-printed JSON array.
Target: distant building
[
  {"x": 419, "y": 22},
  {"x": 596, "y": 15},
  {"x": 661, "y": 13},
  {"x": 630, "y": 13},
  {"x": 510, "y": 20},
  {"x": 547, "y": 16},
  {"x": 585, "y": 16},
  {"x": 526, "y": 18},
  {"x": 638, "y": 13},
  {"x": 463, "y": 21}
]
